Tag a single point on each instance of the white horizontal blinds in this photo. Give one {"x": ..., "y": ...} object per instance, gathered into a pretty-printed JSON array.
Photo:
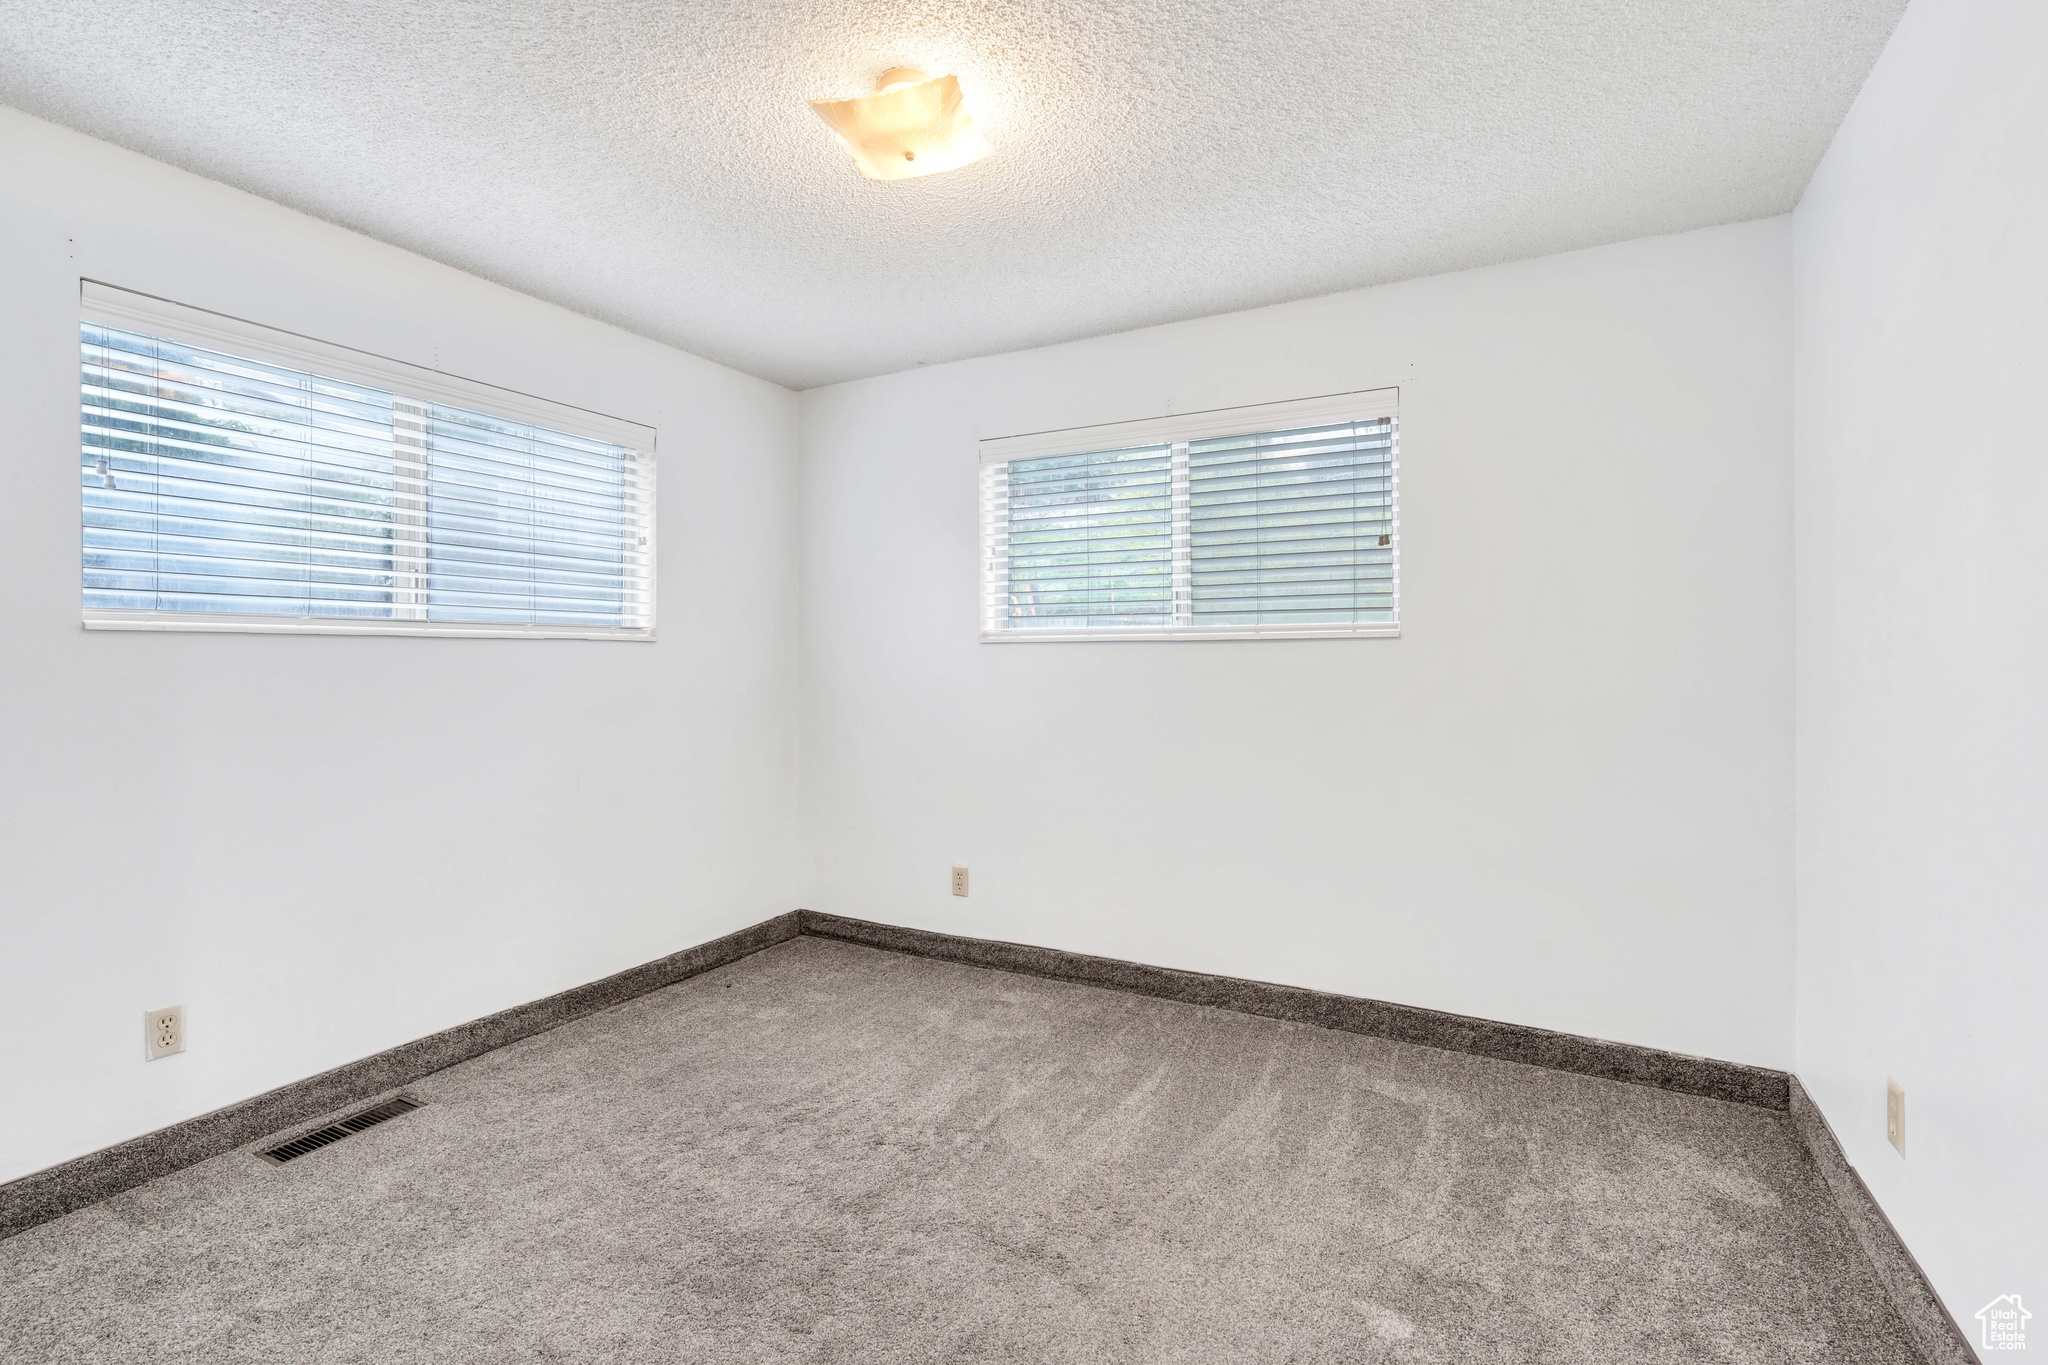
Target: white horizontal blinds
[
  {"x": 1293, "y": 527},
  {"x": 1274, "y": 520},
  {"x": 217, "y": 484},
  {"x": 528, "y": 525},
  {"x": 1087, "y": 540},
  {"x": 220, "y": 487},
  {"x": 409, "y": 509},
  {"x": 995, "y": 546}
]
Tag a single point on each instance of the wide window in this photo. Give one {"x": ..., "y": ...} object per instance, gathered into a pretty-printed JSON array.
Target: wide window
[
  {"x": 1277, "y": 520},
  {"x": 238, "y": 478}
]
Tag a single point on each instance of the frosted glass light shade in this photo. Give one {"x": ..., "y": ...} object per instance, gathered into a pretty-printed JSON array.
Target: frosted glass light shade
[{"x": 912, "y": 125}]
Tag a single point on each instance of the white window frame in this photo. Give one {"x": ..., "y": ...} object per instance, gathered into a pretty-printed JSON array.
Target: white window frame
[
  {"x": 1176, "y": 432},
  {"x": 109, "y": 306}
]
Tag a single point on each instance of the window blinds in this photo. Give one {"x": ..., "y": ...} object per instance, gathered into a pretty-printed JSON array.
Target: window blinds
[
  {"x": 1088, "y": 539},
  {"x": 1271, "y": 521},
  {"x": 1293, "y": 527},
  {"x": 222, "y": 491}
]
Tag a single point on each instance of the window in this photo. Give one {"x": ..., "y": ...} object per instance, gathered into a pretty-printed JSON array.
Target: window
[
  {"x": 238, "y": 478},
  {"x": 1278, "y": 520}
]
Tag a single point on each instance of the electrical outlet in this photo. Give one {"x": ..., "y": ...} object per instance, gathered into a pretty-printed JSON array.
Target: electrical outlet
[
  {"x": 1895, "y": 1115},
  {"x": 959, "y": 881},
  {"x": 163, "y": 1032}
]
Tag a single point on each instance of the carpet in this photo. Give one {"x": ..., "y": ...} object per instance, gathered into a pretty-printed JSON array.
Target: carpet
[{"x": 826, "y": 1152}]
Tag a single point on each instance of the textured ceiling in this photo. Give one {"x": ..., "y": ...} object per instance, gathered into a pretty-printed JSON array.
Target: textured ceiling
[{"x": 653, "y": 162}]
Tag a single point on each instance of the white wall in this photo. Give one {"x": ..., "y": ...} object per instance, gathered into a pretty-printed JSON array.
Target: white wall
[
  {"x": 326, "y": 846},
  {"x": 1561, "y": 798},
  {"x": 1922, "y": 477}
]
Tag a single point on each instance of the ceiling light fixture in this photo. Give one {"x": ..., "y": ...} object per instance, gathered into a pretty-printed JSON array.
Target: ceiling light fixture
[{"x": 912, "y": 125}]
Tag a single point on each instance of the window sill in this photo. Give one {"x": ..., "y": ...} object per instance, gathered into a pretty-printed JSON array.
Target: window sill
[
  {"x": 240, "y": 624},
  {"x": 1385, "y": 631}
]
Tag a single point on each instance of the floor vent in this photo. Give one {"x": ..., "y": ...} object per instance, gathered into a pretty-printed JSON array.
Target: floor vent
[{"x": 335, "y": 1132}]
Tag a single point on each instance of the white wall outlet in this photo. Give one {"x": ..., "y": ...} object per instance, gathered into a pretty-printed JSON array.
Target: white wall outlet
[
  {"x": 1895, "y": 1115},
  {"x": 959, "y": 881},
  {"x": 163, "y": 1032}
]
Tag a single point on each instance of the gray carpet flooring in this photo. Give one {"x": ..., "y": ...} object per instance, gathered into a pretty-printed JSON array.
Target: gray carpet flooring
[{"x": 831, "y": 1153}]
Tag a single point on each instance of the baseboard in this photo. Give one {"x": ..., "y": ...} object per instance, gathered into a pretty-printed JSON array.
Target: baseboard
[
  {"x": 1731, "y": 1081},
  {"x": 60, "y": 1189},
  {"x": 1940, "y": 1339}
]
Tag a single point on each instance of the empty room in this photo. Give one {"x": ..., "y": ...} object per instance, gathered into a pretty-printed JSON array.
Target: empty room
[{"x": 1335, "y": 681}]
